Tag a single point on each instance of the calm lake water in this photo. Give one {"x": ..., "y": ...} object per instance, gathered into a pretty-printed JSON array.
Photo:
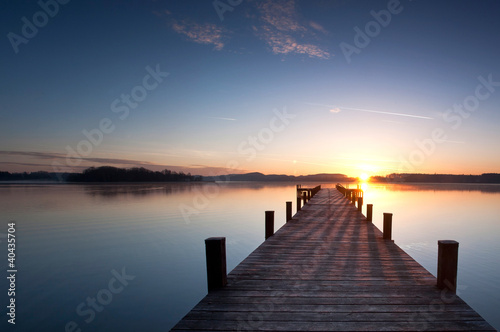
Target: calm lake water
[{"x": 139, "y": 248}]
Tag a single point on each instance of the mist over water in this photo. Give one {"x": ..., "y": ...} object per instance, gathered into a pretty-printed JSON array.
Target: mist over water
[{"x": 74, "y": 240}]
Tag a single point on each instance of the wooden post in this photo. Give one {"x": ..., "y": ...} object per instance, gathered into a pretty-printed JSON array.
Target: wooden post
[
  {"x": 447, "y": 265},
  {"x": 360, "y": 203},
  {"x": 215, "y": 250},
  {"x": 299, "y": 201},
  {"x": 288, "y": 211},
  {"x": 353, "y": 198},
  {"x": 269, "y": 224},
  {"x": 387, "y": 226},
  {"x": 369, "y": 212}
]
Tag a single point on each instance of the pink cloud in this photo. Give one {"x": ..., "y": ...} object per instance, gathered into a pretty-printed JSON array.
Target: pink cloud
[
  {"x": 206, "y": 33},
  {"x": 283, "y": 32}
]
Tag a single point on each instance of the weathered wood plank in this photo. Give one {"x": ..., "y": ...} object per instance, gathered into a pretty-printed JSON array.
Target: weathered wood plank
[
  {"x": 257, "y": 323},
  {"x": 328, "y": 269}
]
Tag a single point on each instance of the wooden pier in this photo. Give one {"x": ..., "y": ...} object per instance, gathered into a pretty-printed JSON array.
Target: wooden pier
[{"x": 330, "y": 269}]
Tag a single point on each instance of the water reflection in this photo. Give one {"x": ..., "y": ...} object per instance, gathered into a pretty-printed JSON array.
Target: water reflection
[
  {"x": 137, "y": 190},
  {"x": 76, "y": 234},
  {"x": 145, "y": 189},
  {"x": 487, "y": 188}
]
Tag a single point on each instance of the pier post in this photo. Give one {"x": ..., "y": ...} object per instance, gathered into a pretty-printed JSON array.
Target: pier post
[
  {"x": 369, "y": 212},
  {"x": 360, "y": 203},
  {"x": 447, "y": 265},
  {"x": 299, "y": 201},
  {"x": 353, "y": 198},
  {"x": 288, "y": 211},
  {"x": 387, "y": 226},
  {"x": 269, "y": 224},
  {"x": 215, "y": 250}
]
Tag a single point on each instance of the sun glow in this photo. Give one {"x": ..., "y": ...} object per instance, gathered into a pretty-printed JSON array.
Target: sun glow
[{"x": 364, "y": 177}]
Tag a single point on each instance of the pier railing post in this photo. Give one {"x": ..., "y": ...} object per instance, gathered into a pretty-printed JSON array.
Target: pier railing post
[
  {"x": 447, "y": 265},
  {"x": 288, "y": 211},
  {"x": 360, "y": 203},
  {"x": 369, "y": 212},
  {"x": 353, "y": 198},
  {"x": 299, "y": 201},
  {"x": 215, "y": 250},
  {"x": 387, "y": 226},
  {"x": 269, "y": 224}
]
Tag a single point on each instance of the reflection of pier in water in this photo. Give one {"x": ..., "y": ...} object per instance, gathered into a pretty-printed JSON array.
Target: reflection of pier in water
[{"x": 328, "y": 269}]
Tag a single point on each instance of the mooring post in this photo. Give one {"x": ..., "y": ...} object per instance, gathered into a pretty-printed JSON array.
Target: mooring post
[
  {"x": 387, "y": 226},
  {"x": 269, "y": 224},
  {"x": 288, "y": 211},
  {"x": 360, "y": 203},
  {"x": 353, "y": 198},
  {"x": 369, "y": 212},
  {"x": 447, "y": 265},
  {"x": 298, "y": 203},
  {"x": 215, "y": 250}
]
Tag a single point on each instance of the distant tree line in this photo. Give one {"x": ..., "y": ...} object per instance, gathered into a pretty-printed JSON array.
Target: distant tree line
[
  {"x": 104, "y": 174},
  {"x": 136, "y": 174},
  {"x": 438, "y": 178},
  {"x": 24, "y": 176}
]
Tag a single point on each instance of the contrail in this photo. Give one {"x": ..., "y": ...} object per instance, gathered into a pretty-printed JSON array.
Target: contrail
[
  {"x": 373, "y": 111},
  {"x": 219, "y": 118}
]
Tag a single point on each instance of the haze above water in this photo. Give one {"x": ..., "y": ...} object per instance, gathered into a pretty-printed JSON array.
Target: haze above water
[{"x": 70, "y": 238}]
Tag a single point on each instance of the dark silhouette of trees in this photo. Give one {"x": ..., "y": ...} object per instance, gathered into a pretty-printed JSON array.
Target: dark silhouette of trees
[
  {"x": 136, "y": 174},
  {"x": 6, "y": 176}
]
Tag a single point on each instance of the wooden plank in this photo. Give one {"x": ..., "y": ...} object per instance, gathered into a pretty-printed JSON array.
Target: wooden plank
[{"x": 328, "y": 269}]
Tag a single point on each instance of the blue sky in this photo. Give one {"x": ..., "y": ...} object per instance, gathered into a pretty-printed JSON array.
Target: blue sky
[{"x": 269, "y": 87}]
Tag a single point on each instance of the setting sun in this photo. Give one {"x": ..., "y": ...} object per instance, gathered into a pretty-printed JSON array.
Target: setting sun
[{"x": 364, "y": 177}]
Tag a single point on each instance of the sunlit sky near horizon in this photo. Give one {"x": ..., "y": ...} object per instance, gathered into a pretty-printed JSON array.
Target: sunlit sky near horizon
[{"x": 278, "y": 87}]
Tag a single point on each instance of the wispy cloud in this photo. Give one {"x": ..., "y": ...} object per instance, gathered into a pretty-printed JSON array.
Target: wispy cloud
[
  {"x": 219, "y": 118},
  {"x": 60, "y": 156},
  {"x": 39, "y": 157},
  {"x": 201, "y": 33},
  {"x": 337, "y": 109},
  {"x": 38, "y": 164},
  {"x": 282, "y": 30},
  {"x": 318, "y": 27},
  {"x": 388, "y": 113}
]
